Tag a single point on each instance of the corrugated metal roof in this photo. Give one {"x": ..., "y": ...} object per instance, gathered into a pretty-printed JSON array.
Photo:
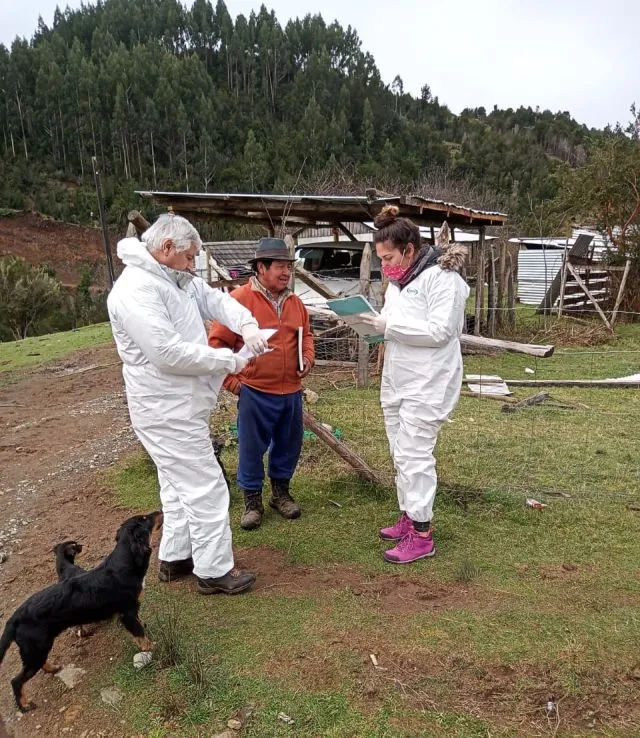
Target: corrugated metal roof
[
  {"x": 310, "y": 209},
  {"x": 231, "y": 254}
]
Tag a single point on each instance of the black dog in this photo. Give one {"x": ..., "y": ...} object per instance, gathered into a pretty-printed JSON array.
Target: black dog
[
  {"x": 66, "y": 553},
  {"x": 112, "y": 588},
  {"x": 66, "y": 568}
]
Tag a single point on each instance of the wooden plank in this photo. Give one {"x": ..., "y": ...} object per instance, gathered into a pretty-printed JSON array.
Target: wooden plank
[
  {"x": 606, "y": 383},
  {"x": 578, "y": 279},
  {"x": 314, "y": 283},
  {"x": 362, "y": 468},
  {"x": 365, "y": 290},
  {"x": 623, "y": 283}
]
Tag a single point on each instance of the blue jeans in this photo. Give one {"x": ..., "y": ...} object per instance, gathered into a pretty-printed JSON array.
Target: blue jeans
[{"x": 273, "y": 422}]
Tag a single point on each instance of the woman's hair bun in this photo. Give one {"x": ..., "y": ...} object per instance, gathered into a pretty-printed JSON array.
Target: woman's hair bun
[{"x": 386, "y": 216}]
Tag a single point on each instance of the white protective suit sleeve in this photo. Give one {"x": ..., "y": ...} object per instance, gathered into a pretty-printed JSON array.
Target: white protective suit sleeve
[
  {"x": 445, "y": 311},
  {"x": 217, "y": 305},
  {"x": 152, "y": 330}
]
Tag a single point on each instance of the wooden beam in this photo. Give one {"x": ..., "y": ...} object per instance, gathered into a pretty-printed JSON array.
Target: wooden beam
[
  {"x": 362, "y": 468},
  {"x": 314, "y": 283},
  {"x": 623, "y": 283},
  {"x": 346, "y": 231},
  {"x": 365, "y": 289},
  {"x": 138, "y": 220},
  {"x": 480, "y": 342},
  {"x": 593, "y": 300},
  {"x": 230, "y": 283}
]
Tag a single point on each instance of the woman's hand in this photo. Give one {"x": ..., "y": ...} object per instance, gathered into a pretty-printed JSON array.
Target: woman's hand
[{"x": 377, "y": 322}]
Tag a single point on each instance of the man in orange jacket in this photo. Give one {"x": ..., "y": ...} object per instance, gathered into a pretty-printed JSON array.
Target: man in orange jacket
[{"x": 269, "y": 389}]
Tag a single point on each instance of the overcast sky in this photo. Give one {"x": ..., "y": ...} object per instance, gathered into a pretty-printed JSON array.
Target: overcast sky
[{"x": 577, "y": 55}]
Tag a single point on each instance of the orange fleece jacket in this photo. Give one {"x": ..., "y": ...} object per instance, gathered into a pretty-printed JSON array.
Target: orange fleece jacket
[{"x": 274, "y": 372}]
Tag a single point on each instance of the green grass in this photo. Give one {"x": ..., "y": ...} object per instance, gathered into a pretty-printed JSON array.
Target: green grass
[
  {"x": 15, "y": 355},
  {"x": 517, "y": 606}
]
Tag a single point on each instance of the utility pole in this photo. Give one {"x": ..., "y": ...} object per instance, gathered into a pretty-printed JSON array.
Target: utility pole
[{"x": 103, "y": 222}]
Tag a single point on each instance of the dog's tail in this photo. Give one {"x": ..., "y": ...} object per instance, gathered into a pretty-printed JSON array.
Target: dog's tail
[{"x": 7, "y": 638}]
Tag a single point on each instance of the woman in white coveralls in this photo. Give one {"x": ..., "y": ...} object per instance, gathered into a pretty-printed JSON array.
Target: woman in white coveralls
[
  {"x": 421, "y": 321},
  {"x": 172, "y": 379}
]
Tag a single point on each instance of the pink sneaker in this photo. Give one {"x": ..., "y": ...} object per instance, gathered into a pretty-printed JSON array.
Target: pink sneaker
[
  {"x": 411, "y": 548},
  {"x": 398, "y": 530}
]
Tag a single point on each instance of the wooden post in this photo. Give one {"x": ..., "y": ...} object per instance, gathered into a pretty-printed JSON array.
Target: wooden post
[
  {"x": 563, "y": 282},
  {"x": 511, "y": 293},
  {"x": 491, "y": 294},
  {"x": 479, "y": 282},
  {"x": 365, "y": 290},
  {"x": 103, "y": 221},
  {"x": 623, "y": 284},
  {"x": 291, "y": 245},
  {"x": 502, "y": 289},
  {"x": 138, "y": 220}
]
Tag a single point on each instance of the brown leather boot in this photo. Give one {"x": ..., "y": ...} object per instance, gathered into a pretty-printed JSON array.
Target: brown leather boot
[
  {"x": 253, "y": 510},
  {"x": 233, "y": 582},
  {"x": 282, "y": 501}
]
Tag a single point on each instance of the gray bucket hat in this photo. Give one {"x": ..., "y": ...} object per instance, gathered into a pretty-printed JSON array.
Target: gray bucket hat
[{"x": 272, "y": 248}]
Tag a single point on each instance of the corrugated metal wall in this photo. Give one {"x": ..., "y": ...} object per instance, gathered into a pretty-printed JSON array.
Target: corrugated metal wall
[{"x": 536, "y": 270}]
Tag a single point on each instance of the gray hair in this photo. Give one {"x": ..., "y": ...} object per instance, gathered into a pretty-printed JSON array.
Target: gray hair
[{"x": 174, "y": 227}]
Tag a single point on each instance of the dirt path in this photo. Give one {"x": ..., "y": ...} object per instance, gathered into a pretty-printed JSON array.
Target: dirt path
[{"x": 59, "y": 428}]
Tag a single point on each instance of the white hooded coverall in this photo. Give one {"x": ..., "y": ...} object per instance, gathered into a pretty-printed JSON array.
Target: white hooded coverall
[
  {"x": 172, "y": 379},
  {"x": 421, "y": 378}
]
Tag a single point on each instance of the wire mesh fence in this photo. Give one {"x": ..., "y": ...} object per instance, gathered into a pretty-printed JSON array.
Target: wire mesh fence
[{"x": 581, "y": 444}]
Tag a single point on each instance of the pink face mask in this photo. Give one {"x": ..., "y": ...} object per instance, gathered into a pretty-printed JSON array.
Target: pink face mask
[{"x": 394, "y": 272}]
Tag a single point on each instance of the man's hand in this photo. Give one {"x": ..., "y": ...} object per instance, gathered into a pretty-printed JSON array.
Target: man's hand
[
  {"x": 241, "y": 362},
  {"x": 307, "y": 368},
  {"x": 377, "y": 322},
  {"x": 253, "y": 339}
]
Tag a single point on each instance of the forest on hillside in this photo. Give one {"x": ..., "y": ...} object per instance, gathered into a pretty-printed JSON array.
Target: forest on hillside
[{"x": 190, "y": 99}]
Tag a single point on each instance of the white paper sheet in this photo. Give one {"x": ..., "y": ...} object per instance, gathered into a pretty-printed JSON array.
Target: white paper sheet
[{"x": 246, "y": 353}]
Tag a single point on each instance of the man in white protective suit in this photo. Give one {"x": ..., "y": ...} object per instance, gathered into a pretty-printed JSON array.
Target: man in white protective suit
[{"x": 157, "y": 309}]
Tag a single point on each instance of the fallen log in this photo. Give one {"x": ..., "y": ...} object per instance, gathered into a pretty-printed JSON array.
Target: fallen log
[
  {"x": 364, "y": 471},
  {"x": 538, "y": 399},
  {"x": 480, "y": 342}
]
